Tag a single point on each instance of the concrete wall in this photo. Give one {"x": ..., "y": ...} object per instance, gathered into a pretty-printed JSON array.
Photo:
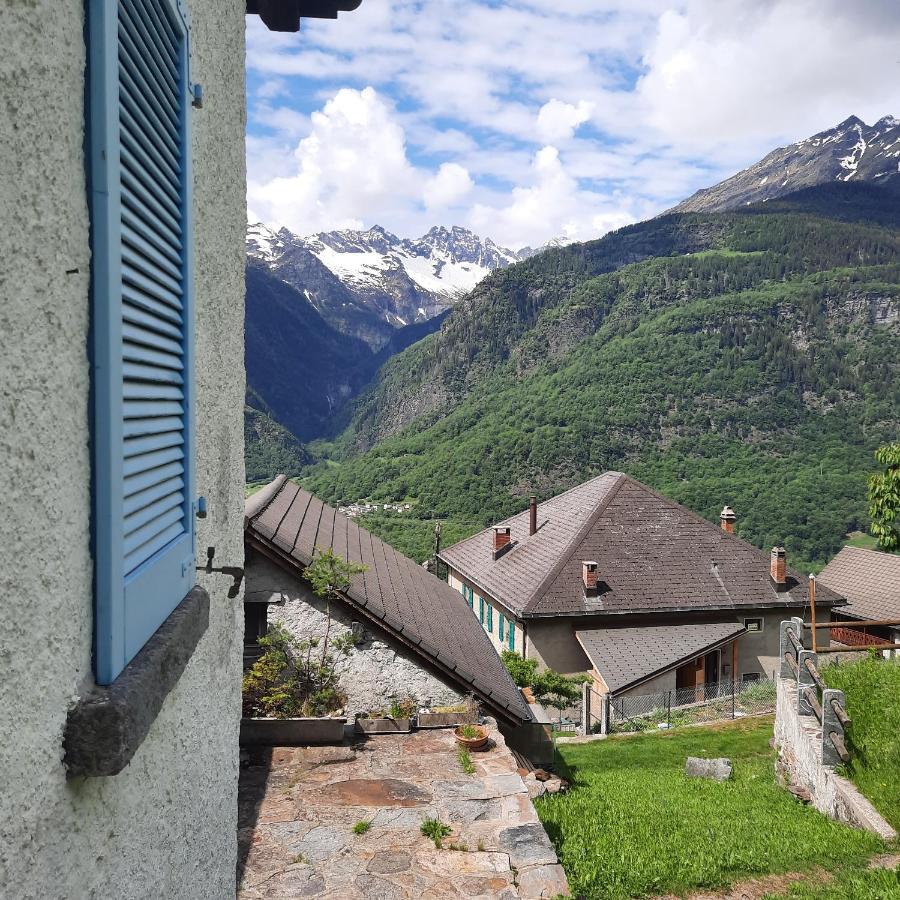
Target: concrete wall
[
  {"x": 377, "y": 671},
  {"x": 553, "y": 644},
  {"x": 758, "y": 652},
  {"x": 165, "y": 826},
  {"x": 799, "y": 742},
  {"x": 456, "y": 581}
]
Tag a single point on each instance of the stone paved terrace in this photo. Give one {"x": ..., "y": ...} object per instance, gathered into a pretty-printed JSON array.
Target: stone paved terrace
[{"x": 298, "y": 806}]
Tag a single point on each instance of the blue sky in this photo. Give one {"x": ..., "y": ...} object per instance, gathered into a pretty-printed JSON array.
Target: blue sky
[{"x": 539, "y": 119}]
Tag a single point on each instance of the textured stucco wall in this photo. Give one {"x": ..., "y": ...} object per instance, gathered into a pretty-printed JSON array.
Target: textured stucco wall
[
  {"x": 758, "y": 651},
  {"x": 164, "y": 827},
  {"x": 377, "y": 671},
  {"x": 553, "y": 643},
  {"x": 456, "y": 581}
]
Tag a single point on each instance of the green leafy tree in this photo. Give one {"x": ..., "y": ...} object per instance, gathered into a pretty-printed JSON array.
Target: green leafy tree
[
  {"x": 884, "y": 498},
  {"x": 523, "y": 671},
  {"x": 557, "y": 690}
]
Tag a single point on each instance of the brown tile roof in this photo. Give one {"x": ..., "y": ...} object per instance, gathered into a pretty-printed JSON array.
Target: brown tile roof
[
  {"x": 624, "y": 657},
  {"x": 404, "y": 598},
  {"x": 869, "y": 579},
  {"x": 654, "y": 555}
]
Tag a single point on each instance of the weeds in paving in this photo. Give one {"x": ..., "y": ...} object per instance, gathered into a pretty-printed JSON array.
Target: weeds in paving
[
  {"x": 462, "y": 848},
  {"x": 465, "y": 761},
  {"x": 300, "y": 860},
  {"x": 436, "y": 830},
  {"x": 362, "y": 826},
  {"x": 481, "y": 846},
  {"x": 632, "y": 824}
]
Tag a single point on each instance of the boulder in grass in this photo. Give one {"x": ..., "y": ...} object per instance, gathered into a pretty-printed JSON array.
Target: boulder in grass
[{"x": 717, "y": 769}]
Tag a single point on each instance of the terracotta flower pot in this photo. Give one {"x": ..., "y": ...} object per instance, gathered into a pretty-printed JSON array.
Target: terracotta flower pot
[{"x": 472, "y": 743}]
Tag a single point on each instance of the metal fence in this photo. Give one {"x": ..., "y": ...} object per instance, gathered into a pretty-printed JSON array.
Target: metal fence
[{"x": 696, "y": 705}]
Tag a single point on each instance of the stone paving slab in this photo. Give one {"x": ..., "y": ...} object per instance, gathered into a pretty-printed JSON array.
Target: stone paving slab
[{"x": 298, "y": 806}]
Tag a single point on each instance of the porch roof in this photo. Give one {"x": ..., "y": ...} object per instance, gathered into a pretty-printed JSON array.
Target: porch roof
[{"x": 625, "y": 657}]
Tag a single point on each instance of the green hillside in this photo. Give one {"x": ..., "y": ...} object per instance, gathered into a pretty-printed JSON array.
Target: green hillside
[{"x": 748, "y": 358}]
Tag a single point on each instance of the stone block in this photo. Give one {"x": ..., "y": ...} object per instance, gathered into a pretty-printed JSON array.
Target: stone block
[{"x": 716, "y": 769}]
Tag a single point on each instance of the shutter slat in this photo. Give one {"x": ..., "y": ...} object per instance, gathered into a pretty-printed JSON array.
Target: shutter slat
[
  {"x": 158, "y": 182},
  {"x": 147, "y": 461},
  {"x": 156, "y": 510},
  {"x": 147, "y": 356},
  {"x": 150, "y": 234},
  {"x": 146, "y": 497},
  {"x": 148, "y": 322},
  {"x": 138, "y": 409},
  {"x": 149, "y": 286},
  {"x": 163, "y": 28},
  {"x": 136, "y": 446},
  {"x": 149, "y": 266},
  {"x": 153, "y": 129},
  {"x": 137, "y": 427},
  {"x": 137, "y": 298},
  {"x": 144, "y": 480},
  {"x": 152, "y": 256},
  {"x": 138, "y": 550},
  {"x": 137, "y": 390},
  {"x": 145, "y": 199},
  {"x": 164, "y": 64},
  {"x": 138, "y": 335},
  {"x": 141, "y": 66},
  {"x": 138, "y": 372}
]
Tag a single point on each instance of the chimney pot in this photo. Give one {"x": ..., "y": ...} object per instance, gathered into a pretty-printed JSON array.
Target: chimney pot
[
  {"x": 778, "y": 566},
  {"x": 502, "y": 540},
  {"x": 727, "y": 519},
  {"x": 589, "y": 576},
  {"x": 532, "y": 516}
]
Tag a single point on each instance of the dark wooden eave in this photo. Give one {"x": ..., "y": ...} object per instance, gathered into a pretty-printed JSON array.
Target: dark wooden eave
[{"x": 285, "y": 15}]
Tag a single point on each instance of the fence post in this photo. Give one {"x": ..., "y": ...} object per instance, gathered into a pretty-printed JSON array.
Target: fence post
[
  {"x": 733, "y": 692},
  {"x": 586, "y": 707},
  {"x": 830, "y": 724},
  {"x": 805, "y": 680},
  {"x": 785, "y": 646},
  {"x": 604, "y": 715},
  {"x": 669, "y": 710}
]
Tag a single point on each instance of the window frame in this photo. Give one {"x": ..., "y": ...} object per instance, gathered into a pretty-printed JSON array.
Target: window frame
[{"x": 762, "y": 624}]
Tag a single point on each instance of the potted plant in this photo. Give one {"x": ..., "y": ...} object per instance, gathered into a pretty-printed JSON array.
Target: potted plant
[
  {"x": 398, "y": 719},
  {"x": 472, "y": 737},
  {"x": 291, "y": 694},
  {"x": 464, "y": 713}
]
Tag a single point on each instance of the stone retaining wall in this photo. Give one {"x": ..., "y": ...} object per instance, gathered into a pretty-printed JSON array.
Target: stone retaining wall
[{"x": 799, "y": 743}]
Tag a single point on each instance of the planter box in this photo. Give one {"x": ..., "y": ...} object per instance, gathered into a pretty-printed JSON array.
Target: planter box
[
  {"x": 384, "y": 726},
  {"x": 291, "y": 732},
  {"x": 444, "y": 720}
]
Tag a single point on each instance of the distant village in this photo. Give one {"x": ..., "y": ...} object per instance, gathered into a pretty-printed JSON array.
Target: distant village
[{"x": 364, "y": 508}]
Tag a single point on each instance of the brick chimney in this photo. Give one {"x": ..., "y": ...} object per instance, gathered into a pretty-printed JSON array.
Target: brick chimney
[
  {"x": 502, "y": 540},
  {"x": 532, "y": 516},
  {"x": 778, "y": 566},
  {"x": 727, "y": 519},
  {"x": 589, "y": 577}
]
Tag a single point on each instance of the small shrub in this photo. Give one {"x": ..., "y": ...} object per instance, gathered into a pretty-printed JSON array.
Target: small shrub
[
  {"x": 403, "y": 709},
  {"x": 436, "y": 830},
  {"x": 522, "y": 670},
  {"x": 362, "y": 826}
]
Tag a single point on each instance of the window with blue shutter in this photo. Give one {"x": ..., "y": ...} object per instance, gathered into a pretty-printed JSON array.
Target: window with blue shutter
[
  {"x": 490, "y": 619},
  {"x": 511, "y": 635},
  {"x": 481, "y": 610},
  {"x": 142, "y": 311},
  {"x": 501, "y": 632}
]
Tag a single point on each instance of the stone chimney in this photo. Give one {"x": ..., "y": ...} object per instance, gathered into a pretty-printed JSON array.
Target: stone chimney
[
  {"x": 589, "y": 577},
  {"x": 778, "y": 567},
  {"x": 727, "y": 519},
  {"x": 502, "y": 540},
  {"x": 532, "y": 516}
]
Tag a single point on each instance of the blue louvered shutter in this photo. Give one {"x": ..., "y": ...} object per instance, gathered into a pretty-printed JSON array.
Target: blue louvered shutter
[
  {"x": 490, "y": 619},
  {"x": 142, "y": 321},
  {"x": 501, "y": 630},
  {"x": 511, "y": 634}
]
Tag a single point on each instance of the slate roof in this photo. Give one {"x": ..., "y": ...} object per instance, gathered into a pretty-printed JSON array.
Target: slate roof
[
  {"x": 869, "y": 579},
  {"x": 400, "y": 595},
  {"x": 624, "y": 657},
  {"x": 654, "y": 555}
]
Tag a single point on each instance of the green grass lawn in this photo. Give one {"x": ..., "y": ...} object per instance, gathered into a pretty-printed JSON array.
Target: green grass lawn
[
  {"x": 872, "y": 688},
  {"x": 861, "y": 539},
  {"x": 633, "y": 825},
  {"x": 873, "y": 884}
]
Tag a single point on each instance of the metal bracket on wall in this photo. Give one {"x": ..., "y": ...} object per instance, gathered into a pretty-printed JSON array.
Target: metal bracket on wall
[{"x": 235, "y": 572}]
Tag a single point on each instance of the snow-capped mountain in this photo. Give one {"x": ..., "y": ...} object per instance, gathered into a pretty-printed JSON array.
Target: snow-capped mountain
[
  {"x": 367, "y": 283},
  {"x": 851, "y": 150}
]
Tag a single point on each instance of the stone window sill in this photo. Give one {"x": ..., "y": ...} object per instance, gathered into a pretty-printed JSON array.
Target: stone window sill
[{"x": 106, "y": 726}]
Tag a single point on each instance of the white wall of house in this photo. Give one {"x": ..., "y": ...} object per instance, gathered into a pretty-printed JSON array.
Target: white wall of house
[
  {"x": 165, "y": 826},
  {"x": 378, "y": 671},
  {"x": 491, "y": 624}
]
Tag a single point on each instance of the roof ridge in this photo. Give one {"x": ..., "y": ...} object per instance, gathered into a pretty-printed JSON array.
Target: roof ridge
[
  {"x": 256, "y": 504},
  {"x": 580, "y": 535}
]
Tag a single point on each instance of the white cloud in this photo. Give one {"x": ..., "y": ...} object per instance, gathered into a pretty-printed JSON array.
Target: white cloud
[
  {"x": 448, "y": 187},
  {"x": 558, "y": 121}
]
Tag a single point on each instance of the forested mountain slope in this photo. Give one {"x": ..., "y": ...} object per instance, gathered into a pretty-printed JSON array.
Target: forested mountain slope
[{"x": 748, "y": 358}]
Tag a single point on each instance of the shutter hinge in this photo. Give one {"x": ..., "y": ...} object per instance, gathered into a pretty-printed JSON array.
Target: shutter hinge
[
  {"x": 235, "y": 572},
  {"x": 200, "y": 507},
  {"x": 197, "y": 91}
]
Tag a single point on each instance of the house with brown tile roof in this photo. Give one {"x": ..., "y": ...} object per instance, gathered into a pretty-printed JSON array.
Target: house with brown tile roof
[
  {"x": 613, "y": 578},
  {"x": 870, "y": 580},
  {"x": 416, "y": 638}
]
